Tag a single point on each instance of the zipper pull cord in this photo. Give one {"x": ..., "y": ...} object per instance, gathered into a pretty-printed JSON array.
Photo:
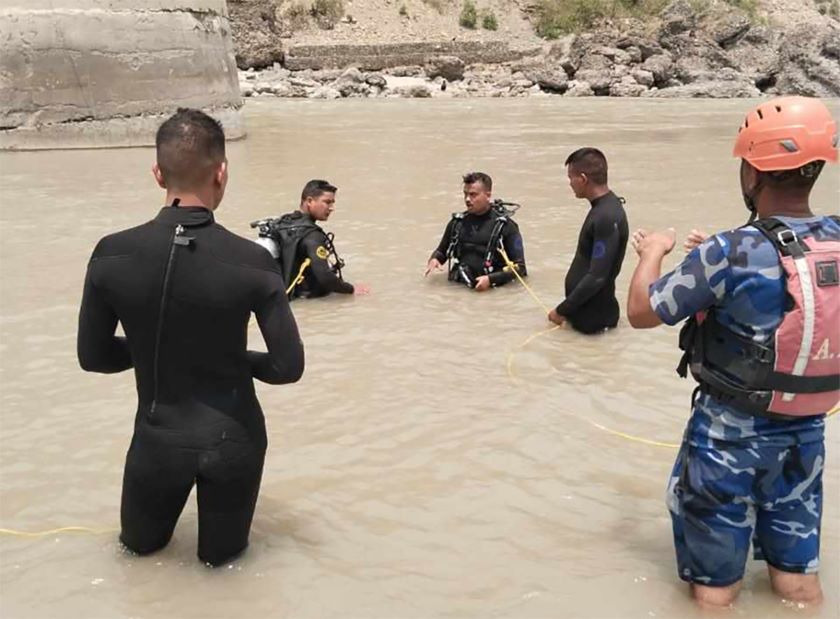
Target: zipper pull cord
[{"x": 180, "y": 239}]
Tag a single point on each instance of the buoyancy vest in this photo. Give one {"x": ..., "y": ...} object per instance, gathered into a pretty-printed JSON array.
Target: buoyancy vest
[
  {"x": 485, "y": 252},
  {"x": 288, "y": 231},
  {"x": 797, "y": 372}
]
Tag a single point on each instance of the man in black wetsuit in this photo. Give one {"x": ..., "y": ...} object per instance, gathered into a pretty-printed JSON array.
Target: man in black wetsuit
[
  {"x": 472, "y": 240},
  {"x": 183, "y": 288},
  {"x": 300, "y": 237},
  {"x": 590, "y": 305}
]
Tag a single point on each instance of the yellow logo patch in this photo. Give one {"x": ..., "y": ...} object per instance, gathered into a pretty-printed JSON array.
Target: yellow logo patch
[{"x": 322, "y": 252}]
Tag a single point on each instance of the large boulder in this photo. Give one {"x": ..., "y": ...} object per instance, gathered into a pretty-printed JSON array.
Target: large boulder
[
  {"x": 728, "y": 26},
  {"x": 645, "y": 78},
  {"x": 661, "y": 66},
  {"x": 450, "y": 68},
  {"x": 808, "y": 60},
  {"x": 579, "y": 89},
  {"x": 550, "y": 78},
  {"x": 598, "y": 81},
  {"x": 351, "y": 83},
  {"x": 256, "y": 33},
  {"x": 756, "y": 55},
  {"x": 627, "y": 87},
  {"x": 712, "y": 90},
  {"x": 678, "y": 17}
]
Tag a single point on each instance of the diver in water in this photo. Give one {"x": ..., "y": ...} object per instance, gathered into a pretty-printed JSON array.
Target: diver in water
[
  {"x": 306, "y": 254},
  {"x": 590, "y": 305},
  {"x": 481, "y": 244}
]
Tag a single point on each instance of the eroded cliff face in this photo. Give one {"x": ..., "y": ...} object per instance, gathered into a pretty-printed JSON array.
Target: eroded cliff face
[{"x": 99, "y": 73}]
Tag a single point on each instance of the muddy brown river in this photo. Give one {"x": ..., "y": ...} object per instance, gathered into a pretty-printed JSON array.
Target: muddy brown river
[{"x": 438, "y": 459}]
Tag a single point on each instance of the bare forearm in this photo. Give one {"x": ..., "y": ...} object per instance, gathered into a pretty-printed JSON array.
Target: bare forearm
[{"x": 639, "y": 311}]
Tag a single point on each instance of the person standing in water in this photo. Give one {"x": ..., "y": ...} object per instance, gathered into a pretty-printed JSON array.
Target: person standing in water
[
  {"x": 183, "y": 288},
  {"x": 590, "y": 305},
  {"x": 474, "y": 239},
  {"x": 762, "y": 304},
  {"x": 299, "y": 237}
]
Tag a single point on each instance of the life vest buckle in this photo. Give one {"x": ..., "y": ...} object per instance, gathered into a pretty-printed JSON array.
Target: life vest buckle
[{"x": 786, "y": 237}]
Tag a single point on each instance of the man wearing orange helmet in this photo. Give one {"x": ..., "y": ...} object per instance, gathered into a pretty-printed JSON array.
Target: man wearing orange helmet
[{"x": 761, "y": 339}]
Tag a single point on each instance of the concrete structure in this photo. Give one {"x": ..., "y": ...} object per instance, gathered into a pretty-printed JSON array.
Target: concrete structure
[
  {"x": 101, "y": 73},
  {"x": 384, "y": 56}
]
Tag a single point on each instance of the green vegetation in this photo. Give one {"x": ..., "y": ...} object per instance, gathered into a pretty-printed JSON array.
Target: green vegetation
[
  {"x": 488, "y": 20},
  {"x": 555, "y": 18},
  {"x": 558, "y": 17},
  {"x": 297, "y": 15},
  {"x": 327, "y": 12},
  {"x": 469, "y": 15}
]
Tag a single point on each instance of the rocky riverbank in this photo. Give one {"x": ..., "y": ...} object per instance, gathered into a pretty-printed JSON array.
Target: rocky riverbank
[{"x": 685, "y": 52}]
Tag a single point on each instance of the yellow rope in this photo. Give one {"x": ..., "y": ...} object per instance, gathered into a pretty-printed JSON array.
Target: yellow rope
[
  {"x": 54, "y": 531},
  {"x": 630, "y": 437},
  {"x": 512, "y": 267},
  {"x": 299, "y": 277}
]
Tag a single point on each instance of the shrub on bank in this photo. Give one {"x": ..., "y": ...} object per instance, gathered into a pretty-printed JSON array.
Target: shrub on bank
[
  {"x": 469, "y": 15},
  {"x": 327, "y": 12},
  {"x": 488, "y": 20}
]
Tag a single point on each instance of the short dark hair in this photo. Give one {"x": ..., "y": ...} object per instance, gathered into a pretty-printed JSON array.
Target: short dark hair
[
  {"x": 479, "y": 177},
  {"x": 315, "y": 188},
  {"x": 189, "y": 144},
  {"x": 589, "y": 161},
  {"x": 799, "y": 179}
]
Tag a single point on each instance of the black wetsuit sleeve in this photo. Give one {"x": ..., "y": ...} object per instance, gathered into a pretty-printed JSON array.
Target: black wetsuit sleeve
[
  {"x": 440, "y": 253},
  {"x": 515, "y": 249},
  {"x": 97, "y": 348},
  {"x": 605, "y": 251},
  {"x": 283, "y": 363},
  {"x": 313, "y": 244}
]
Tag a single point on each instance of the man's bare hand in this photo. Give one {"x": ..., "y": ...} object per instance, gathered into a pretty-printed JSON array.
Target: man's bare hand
[
  {"x": 694, "y": 239},
  {"x": 649, "y": 243},
  {"x": 361, "y": 290},
  {"x": 556, "y": 318},
  {"x": 433, "y": 266},
  {"x": 482, "y": 283}
]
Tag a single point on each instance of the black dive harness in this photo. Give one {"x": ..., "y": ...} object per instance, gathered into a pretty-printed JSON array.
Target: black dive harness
[
  {"x": 733, "y": 368},
  {"x": 288, "y": 231},
  {"x": 458, "y": 271}
]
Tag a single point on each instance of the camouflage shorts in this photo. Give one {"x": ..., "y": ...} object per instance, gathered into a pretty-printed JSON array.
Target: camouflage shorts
[{"x": 722, "y": 497}]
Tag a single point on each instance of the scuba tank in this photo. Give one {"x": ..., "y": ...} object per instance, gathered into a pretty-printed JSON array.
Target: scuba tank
[
  {"x": 266, "y": 236},
  {"x": 281, "y": 237}
]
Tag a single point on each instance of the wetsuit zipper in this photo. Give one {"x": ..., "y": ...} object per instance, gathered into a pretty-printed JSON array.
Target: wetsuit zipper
[{"x": 177, "y": 239}]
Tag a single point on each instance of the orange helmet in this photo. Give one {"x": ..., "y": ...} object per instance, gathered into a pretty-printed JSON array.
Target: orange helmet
[{"x": 787, "y": 133}]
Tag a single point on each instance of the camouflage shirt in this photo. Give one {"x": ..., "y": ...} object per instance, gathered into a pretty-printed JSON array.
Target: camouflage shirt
[{"x": 739, "y": 274}]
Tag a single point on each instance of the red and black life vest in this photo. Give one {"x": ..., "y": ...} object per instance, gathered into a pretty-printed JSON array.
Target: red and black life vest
[{"x": 797, "y": 372}]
